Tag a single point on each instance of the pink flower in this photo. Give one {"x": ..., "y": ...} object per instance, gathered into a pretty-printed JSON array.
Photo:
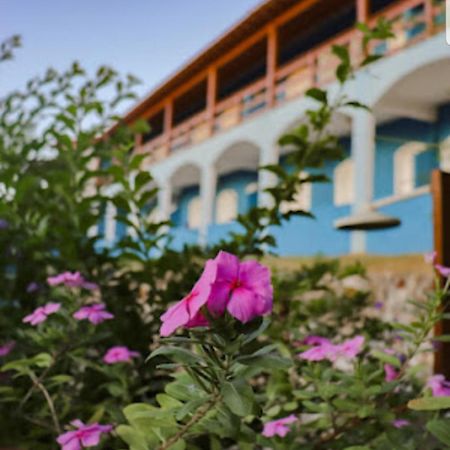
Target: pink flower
[
  {"x": 400, "y": 423},
  {"x": 315, "y": 340},
  {"x": 6, "y": 349},
  {"x": 244, "y": 289},
  {"x": 95, "y": 313},
  {"x": 390, "y": 374},
  {"x": 331, "y": 352},
  {"x": 187, "y": 311},
  {"x": 40, "y": 314},
  {"x": 444, "y": 271},
  {"x": 119, "y": 354},
  {"x": 439, "y": 386},
  {"x": 351, "y": 347},
  {"x": 83, "y": 437},
  {"x": 71, "y": 279},
  {"x": 430, "y": 258},
  {"x": 278, "y": 427}
]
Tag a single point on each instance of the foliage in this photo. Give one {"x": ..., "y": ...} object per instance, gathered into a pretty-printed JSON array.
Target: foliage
[{"x": 65, "y": 157}]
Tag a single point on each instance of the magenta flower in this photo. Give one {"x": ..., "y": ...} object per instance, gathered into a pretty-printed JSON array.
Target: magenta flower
[
  {"x": 439, "y": 386},
  {"x": 243, "y": 289},
  {"x": 83, "y": 436},
  {"x": 331, "y": 352},
  {"x": 71, "y": 279},
  {"x": 119, "y": 354},
  {"x": 40, "y": 314},
  {"x": 315, "y": 340},
  {"x": 187, "y": 311},
  {"x": 6, "y": 349},
  {"x": 390, "y": 374},
  {"x": 95, "y": 313},
  {"x": 32, "y": 287},
  {"x": 444, "y": 271},
  {"x": 278, "y": 427},
  {"x": 400, "y": 423}
]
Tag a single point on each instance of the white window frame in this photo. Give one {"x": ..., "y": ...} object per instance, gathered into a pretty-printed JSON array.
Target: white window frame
[
  {"x": 344, "y": 183},
  {"x": 302, "y": 199},
  {"x": 405, "y": 167},
  {"x": 444, "y": 155},
  {"x": 227, "y": 206},
  {"x": 110, "y": 222},
  {"x": 194, "y": 212}
]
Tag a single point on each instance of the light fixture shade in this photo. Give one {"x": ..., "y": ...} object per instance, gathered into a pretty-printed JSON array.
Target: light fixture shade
[{"x": 366, "y": 220}]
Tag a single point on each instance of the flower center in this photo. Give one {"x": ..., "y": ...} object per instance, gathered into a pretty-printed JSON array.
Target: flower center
[{"x": 235, "y": 283}]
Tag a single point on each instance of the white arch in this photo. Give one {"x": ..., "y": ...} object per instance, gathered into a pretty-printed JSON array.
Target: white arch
[
  {"x": 344, "y": 186},
  {"x": 379, "y": 79},
  {"x": 241, "y": 155},
  {"x": 227, "y": 206},
  {"x": 405, "y": 167}
]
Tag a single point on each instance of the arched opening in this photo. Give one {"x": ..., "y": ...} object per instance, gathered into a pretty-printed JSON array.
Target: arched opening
[{"x": 227, "y": 206}]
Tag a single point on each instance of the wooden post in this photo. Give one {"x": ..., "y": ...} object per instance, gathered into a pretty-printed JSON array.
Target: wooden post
[
  {"x": 211, "y": 98},
  {"x": 362, "y": 10},
  {"x": 440, "y": 188},
  {"x": 429, "y": 19},
  {"x": 271, "y": 61},
  {"x": 168, "y": 119}
]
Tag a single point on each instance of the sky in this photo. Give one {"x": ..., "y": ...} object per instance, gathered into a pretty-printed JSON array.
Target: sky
[{"x": 148, "y": 38}]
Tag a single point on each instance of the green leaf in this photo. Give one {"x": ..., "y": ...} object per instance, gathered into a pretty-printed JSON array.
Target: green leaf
[
  {"x": 239, "y": 397},
  {"x": 357, "y": 447},
  {"x": 270, "y": 362},
  {"x": 179, "y": 354},
  {"x": 440, "y": 429},
  {"x": 429, "y": 403},
  {"x": 388, "y": 359},
  {"x": 317, "y": 94}
]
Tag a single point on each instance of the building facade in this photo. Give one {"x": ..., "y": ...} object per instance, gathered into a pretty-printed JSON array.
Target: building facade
[{"x": 219, "y": 118}]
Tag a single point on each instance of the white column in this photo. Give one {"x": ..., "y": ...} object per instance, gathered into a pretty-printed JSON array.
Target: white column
[
  {"x": 208, "y": 195},
  {"x": 165, "y": 201},
  {"x": 269, "y": 155},
  {"x": 363, "y": 155}
]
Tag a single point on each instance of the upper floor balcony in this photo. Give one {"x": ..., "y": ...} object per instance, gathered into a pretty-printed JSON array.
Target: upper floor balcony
[{"x": 274, "y": 63}]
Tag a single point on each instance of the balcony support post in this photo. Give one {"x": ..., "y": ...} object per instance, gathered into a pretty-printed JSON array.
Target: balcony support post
[
  {"x": 211, "y": 97},
  {"x": 271, "y": 63},
  {"x": 208, "y": 186},
  {"x": 362, "y": 10},
  {"x": 165, "y": 201},
  {"x": 168, "y": 120}
]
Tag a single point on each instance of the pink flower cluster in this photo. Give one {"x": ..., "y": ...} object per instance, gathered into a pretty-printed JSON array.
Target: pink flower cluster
[
  {"x": 430, "y": 258},
  {"x": 6, "y": 349},
  {"x": 95, "y": 313},
  {"x": 119, "y": 354},
  {"x": 243, "y": 289},
  {"x": 71, "y": 279},
  {"x": 278, "y": 427},
  {"x": 83, "y": 436},
  {"x": 41, "y": 313},
  {"x": 439, "y": 386},
  {"x": 324, "y": 349}
]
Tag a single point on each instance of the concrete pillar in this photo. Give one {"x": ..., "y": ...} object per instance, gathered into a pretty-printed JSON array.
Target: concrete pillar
[
  {"x": 269, "y": 155},
  {"x": 165, "y": 201},
  {"x": 363, "y": 155},
  {"x": 208, "y": 185}
]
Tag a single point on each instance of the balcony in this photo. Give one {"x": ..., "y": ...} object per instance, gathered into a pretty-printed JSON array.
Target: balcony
[{"x": 277, "y": 69}]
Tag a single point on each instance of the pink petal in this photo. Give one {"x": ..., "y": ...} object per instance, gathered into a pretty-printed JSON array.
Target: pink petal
[
  {"x": 242, "y": 305},
  {"x": 176, "y": 316},
  {"x": 202, "y": 289},
  {"x": 220, "y": 294},
  {"x": 51, "y": 308},
  {"x": 91, "y": 438}
]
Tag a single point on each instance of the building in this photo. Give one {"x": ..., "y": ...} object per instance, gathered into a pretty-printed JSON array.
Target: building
[{"x": 217, "y": 119}]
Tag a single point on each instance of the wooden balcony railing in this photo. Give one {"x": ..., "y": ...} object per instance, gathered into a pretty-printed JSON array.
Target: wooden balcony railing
[{"x": 412, "y": 21}]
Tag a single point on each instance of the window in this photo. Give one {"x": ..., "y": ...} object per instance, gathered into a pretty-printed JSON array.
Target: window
[
  {"x": 302, "y": 199},
  {"x": 226, "y": 206},
  {"x": 110, "y": 222},
  {"x": 194, "y": 212},
  {"x": 405, "y": 167},
  {"x": 444, "y": 156},
  {"x": 344, "y": 187}
]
